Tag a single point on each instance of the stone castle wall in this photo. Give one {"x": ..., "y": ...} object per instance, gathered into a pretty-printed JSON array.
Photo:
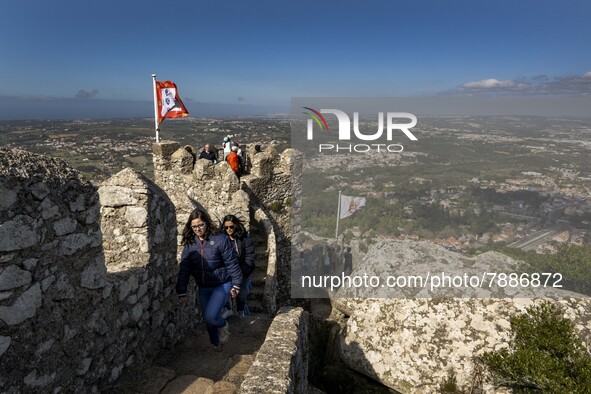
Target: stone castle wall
[
  {"x": 281, "y": 364},
  {"x": 267, "y": 190},
  {"x": 272, "y": 187},
  {"x": 203, "y": 185},
  {"x": 85, "y": 290},
  {"x": 87, "y": 274}
]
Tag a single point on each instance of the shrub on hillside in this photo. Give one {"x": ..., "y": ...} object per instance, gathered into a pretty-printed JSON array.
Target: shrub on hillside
[{"x": 544, "y": 355}]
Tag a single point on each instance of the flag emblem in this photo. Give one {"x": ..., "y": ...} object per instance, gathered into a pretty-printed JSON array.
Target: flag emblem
[
  {"x": 350, "y": 205},
  {"x": 169, "y": 102}
]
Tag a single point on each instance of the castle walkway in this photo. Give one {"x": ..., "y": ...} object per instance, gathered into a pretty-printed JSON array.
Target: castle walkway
[{"x": 193, "y": 367}]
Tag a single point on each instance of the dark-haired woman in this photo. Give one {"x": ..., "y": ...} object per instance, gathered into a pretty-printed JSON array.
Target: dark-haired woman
[
  {"x": 244, "y": 247},
  {"x": 211, "y": 259}
]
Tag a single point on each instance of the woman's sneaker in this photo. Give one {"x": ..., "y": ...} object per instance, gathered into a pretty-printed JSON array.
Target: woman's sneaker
[
  {"x": 224, "y": 333},
  {"x": 216, "y": 348}
]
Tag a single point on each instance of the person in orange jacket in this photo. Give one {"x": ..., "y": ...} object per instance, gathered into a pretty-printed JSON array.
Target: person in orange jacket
[{"x": 234, "y": 160}]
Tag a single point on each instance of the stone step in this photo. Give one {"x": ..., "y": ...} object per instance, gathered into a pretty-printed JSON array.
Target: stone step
[
  {"x": 258, "y": 277},
  {"x": 256, "y": 293},
  {"x": 193, "y": 367},
  {"x": 261, "y": 265},
  {"x": 260, "y": 249},
  {"x": 261, "y": 252},
  {"x": 261, "y": 262},
  {"x": 237, "y": 366},
  {"x": 188, "y": 384},
  {"x": 255, "y": 306}
]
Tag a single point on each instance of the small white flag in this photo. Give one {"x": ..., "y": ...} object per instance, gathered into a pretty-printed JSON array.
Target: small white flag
[{"x": 350, "y": 205}]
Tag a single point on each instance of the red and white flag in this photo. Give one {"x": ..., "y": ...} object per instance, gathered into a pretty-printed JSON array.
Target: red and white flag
[
  {"x": 350, "y": 205},
  {"x": 169, "y": 102}
]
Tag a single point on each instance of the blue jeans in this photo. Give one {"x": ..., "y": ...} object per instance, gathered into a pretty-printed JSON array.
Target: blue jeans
[{"x": 212, "y": 300}]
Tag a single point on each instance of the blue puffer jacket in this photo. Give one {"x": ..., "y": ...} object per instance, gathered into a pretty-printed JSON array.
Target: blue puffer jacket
[{"x": 211, "y": 262}]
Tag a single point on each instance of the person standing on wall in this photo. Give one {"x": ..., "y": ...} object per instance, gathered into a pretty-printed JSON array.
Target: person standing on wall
[
  {"x": 348, "y": 266},
  {"x": 210, "y": 258},
  {"x": 208, "y": 153},
  {"x": 227, "y": 146},
  {"x": 234, "y": 161},
  {"x": 242, "y": 157},
  {"x": 326, "y": 260}
]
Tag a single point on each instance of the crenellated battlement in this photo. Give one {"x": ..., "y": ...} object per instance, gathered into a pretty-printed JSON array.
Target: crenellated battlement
[
  {"x": 86, "y": 275},
  {"x": 198, "y": 184},
  {"x": 266, "y": 190}
]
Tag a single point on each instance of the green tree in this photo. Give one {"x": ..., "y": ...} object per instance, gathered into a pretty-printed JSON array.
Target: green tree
[{"x": 544, "y": 355}]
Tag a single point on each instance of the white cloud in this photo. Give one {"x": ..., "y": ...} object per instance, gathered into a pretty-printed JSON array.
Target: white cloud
[
  {"x": 494, "y": 84},
  {"x": 539, "y": 84}
]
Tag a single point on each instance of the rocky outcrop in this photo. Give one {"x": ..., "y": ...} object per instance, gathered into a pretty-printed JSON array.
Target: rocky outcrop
[
  {"x": 392, "y": 268},
  {"x": 412, "y": 344}
]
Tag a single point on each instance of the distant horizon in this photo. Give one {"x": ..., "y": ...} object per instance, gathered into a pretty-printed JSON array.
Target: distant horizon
[{"x": 50, "y": 108}]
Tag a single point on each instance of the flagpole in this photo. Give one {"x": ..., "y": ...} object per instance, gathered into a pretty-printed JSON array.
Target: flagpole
[
  {"x": 155, "y": 109},
  {"x": 336, "y": 234}
]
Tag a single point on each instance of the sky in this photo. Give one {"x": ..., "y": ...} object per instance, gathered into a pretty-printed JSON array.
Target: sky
[{"x": 76, "y": 59}]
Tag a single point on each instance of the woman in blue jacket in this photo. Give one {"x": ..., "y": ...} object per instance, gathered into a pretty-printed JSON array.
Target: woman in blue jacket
[{"x": 212, "y": 261}]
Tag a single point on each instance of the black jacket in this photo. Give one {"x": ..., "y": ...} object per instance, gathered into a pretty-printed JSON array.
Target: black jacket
[
  {"x": 211, "y": 262},
  {"x": 245, "y": 250},
  {"x": 208, "y": 155}
]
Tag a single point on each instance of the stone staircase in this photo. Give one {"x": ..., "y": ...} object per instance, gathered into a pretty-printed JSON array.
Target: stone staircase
[
  {"x": 258, "y": 277},
  {"x": 192, "y": 367}
]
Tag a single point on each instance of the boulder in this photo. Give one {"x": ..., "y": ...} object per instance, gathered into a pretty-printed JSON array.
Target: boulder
[
  {"x": 412, "y": 343},
  {"x": 182, "y": 161}
]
